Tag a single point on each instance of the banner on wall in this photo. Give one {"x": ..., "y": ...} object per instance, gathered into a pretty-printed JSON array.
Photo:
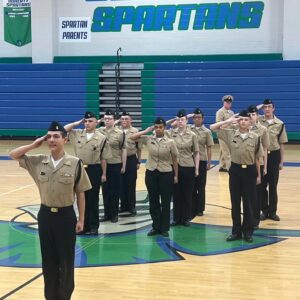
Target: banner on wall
[
  {"x": 17, "y": 22},
  {"x": 75, "y": 30}
]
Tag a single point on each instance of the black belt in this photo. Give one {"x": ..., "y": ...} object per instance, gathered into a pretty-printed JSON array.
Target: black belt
[
  {"x": 56, "y": 209},
  {"x": 274, "y": 151},
  {"x": 242, "y": 166},
  {"x": 91, "y": 165}
]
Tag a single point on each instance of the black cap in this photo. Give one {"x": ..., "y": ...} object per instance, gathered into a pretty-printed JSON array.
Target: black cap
[
  {"x": 160, "y": 120},
  {"x": 125, "y": 113},
  {"x": 227, "y": 98},
  {"x": 244, "y": 113},
  {"x": 181, "y": 113},
  {"x": 89, "y": 114},
  {"x": 55, "y": 126},
  {"x": 198, "y": 111},
  {"x": 109, "y": 112},
  {"x": 267, "y": 101},
  {"x": 252, "y": 109}
]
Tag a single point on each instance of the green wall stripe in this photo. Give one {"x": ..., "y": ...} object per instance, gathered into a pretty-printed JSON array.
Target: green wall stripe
[
  {"x": 22, "y": 132},
  {"x": 15, "y": 60},
  {"x": 169, "y": 58}
]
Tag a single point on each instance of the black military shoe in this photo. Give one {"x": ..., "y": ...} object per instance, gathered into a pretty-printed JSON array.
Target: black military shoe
[
  {"x": 263, "y": 217},
  {"x": 114, "y": 219},
  {"x": 94, "y": 231},
  {"x": 186, "y": 224},
  {"x": 153, "y": 232},
  {"x": 234, "y": 237},
  {"x": 132, "y": 212},
  {"x": 274, "y": 217},
  {"x": 165, "y": 233},
  {"x": 175, "y": 223},
  {"x": 200, "y": 214},
  {"x": 104, "y": 219},
  {"x": 248, "y": 238}
]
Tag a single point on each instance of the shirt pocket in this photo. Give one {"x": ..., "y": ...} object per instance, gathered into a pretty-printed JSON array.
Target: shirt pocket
[
  {"x": 66, "y": 179},
  {"x": 43, "y": 178}
]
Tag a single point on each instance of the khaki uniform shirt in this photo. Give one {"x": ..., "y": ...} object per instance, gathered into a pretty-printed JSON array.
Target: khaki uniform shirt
[
  {"x": 132, "y": 146},
  {"x": 205, "y": 140},
  {"x": 56, "y": 185},
  {"x": 242, "y": 151},
  {"x": 90, "y": 151},
  {"x": 117, "y": 141},
  {"x": 262, "y": 132},
  {"x": 159, "y": 153},
  {"x": 277, "y": 132},
  {"x": 187, "y": 145},
  {"x": 223, "y": 114}
]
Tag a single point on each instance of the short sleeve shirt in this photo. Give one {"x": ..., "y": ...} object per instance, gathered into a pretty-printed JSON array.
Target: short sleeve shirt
[
  {"x": 160, "y": 152},
  {"x": 186, "y": 144},
  {"x": 56, "y": 185},
  {"x": 277, "y": 132},
  {"x": 132, "y": 146},
  {"x": 90, "y": 151},
  {"x": 243, "y": 151},
  {"x": 117, "y": 141},
  {"x": 205, "y": 139},
  {"x": 223, "y": 114},
  {"x": 262, "y": 132}
]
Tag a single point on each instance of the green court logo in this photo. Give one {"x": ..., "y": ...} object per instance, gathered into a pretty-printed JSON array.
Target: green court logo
[{"x": 126, "y": 242}]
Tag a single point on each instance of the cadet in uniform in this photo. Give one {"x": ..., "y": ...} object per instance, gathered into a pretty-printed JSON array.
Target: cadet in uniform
[
  {"x": 278, "y": 138},
  {"x": 58, "y": 177},
  {"x": 205, "y": 141},
  {"x": 244, "y": 173},
  {"x": 224, "y": 114},
  {"x": 160, "y": 174},
  {"x": 92, "y": 148},
  {"x": 116, "y": 166},
  {"x": 262, "y": 132},
  {"x": 128, "y": 179},
  {"x": 188, "y": 169}
]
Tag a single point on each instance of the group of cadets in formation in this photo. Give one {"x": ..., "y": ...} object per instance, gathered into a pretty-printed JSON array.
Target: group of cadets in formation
[{"x": 251, "y": 151}]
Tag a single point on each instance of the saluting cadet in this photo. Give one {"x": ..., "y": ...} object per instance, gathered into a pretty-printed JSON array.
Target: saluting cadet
[
  {"x": 116, "y": 165},
  {"x": 92, "y": 148},
  {"x": 278, "y": 138},
  {"x": 128, "y": 179},
  {"x": 205, "y": 141},
  {"x": 244, "y": 173},
  {"x": 224, "y": 114},
  {"x": 188, "y": 169},
  {"x": 161, "y": 174},
  {"x": 262, "y": 132},
  {"x": 59, "y": 177}
]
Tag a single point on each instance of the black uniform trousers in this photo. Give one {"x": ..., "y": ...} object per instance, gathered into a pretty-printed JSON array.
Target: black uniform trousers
[
  {"x": 57, "y": 239},
  {"x": 242, "y": 185},
  {"x": 256, "y": 203},
  {"x": 128, "y": 185},
  {"x": 198, "y": 204},
  {"x": 183, "y": 193},
  {"x": 91, "y": 216},
  {"x": 111, "y": 190},
  {"x": 270, "y": 180},
  {"x": 160, "y": 189}
]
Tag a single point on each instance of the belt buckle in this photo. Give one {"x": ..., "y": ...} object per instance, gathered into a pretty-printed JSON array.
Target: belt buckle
[
  {"x": 269, "y": 152},
  {"x": 244, "y": 166},
  {"x": 54, "y": 209},
  {"x": 85, "y": 166}
]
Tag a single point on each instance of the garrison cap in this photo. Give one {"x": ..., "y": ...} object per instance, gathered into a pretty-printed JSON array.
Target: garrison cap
[
  {"x": 227, "y": 98},
  {"x": 55, "y": 126},
  {"x": 181, "y": 113},
  {"x": 267, "y": 101},
  {"x": 89, "y": 114},
  {"x": 109, "y": 112},
  {"x": 252, "y": 109},
  {"x": 160, "y": 120},
  {"x": 198, "y": 111},
  {"x": 244, "y": 113},
  {"x": 125, "y": 113}
]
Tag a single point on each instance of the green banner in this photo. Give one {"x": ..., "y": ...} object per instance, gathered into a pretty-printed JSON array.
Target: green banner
[{"x": 17, "y": 22}]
